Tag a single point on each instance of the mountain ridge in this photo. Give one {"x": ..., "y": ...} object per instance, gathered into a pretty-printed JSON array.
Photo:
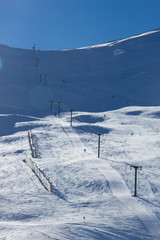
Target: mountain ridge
[{"x": 91, "y": 79}]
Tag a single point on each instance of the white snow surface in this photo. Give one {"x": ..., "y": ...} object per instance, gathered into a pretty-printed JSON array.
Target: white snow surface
[
  {"x": 125, "y": 73},
  {"x": 119, "y": 41},
  {"x": 114, "y": 91}
]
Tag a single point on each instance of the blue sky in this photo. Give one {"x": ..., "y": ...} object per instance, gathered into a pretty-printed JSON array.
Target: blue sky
[{"x": 63, "y": 24}]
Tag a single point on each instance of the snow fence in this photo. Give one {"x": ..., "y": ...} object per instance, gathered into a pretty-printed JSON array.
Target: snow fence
[
  {"x": 39, "y": 174},
  {"x": 33, "y": 148}
]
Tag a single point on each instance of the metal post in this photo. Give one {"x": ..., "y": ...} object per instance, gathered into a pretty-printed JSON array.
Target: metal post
[
  {"x": 41, "y": 77},
  {"x": 135, "y": 181},
  {"x": 51, "y": 104},
  {"x": 71, "y": 117},
  {"x": 45, "y": 79},
  {"x": 59, "y": 108},
  {"x": 135, "y": 186},
  {"x": 99, "y": 135},
  {"x": 37, "y": 62}
]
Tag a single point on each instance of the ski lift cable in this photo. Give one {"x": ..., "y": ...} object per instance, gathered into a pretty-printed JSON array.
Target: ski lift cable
[
  {"x": 65, "y": 107},
  {"x": 89, "y": 127}
]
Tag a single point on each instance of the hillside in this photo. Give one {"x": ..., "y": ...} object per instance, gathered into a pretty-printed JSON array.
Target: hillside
[
  {"x": 104, "y": 77},
  {"x": 93, "y": 197},
  {"x": 113, "y": 89}
]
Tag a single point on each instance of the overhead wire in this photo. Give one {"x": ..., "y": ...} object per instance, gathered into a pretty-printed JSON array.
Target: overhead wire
[
  {"x": 65, "y": 108},
  {"x": 87, "y": 125}
]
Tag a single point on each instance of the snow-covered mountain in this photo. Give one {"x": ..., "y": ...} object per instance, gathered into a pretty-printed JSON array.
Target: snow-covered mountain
[
  {"x": 99, "y": 78},
  {"x": 113, "y": 89}
]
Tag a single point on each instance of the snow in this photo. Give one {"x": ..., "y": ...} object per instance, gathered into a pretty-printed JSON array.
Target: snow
[
  {"x": 108, "y": 77},
  {"x": 112, "y": 43},
  {"x": 99, "y": 189},
  {"x": 92, "y": 197}
]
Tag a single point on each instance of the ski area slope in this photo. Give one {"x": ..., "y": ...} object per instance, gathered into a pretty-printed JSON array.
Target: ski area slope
[
  {"x": 113, "y": 90},
  {"x": 104, "y": 77},
  {"x": 93, "y": 196}
]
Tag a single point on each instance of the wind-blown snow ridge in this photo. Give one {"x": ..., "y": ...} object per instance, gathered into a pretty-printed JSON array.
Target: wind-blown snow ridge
[{"x": 112, "y": 43}]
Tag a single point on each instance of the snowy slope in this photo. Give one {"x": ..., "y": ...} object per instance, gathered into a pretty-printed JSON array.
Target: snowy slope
[
  {"x": 99, "y": 189},
  {"x": 110, "y": 76},
  {"x": 113, "y": 89}
]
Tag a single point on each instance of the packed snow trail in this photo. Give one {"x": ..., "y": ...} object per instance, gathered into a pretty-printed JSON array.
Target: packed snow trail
[
  {"x": 117, "y": 186},
  {"x": 120, "y": 190}
]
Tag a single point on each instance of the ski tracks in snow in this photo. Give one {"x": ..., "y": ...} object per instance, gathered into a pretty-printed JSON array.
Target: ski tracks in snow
[
  {"x": 118, "y": 186},
  {"x": 120, "y": 190},
  {"x": 74, "y": 138}
]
